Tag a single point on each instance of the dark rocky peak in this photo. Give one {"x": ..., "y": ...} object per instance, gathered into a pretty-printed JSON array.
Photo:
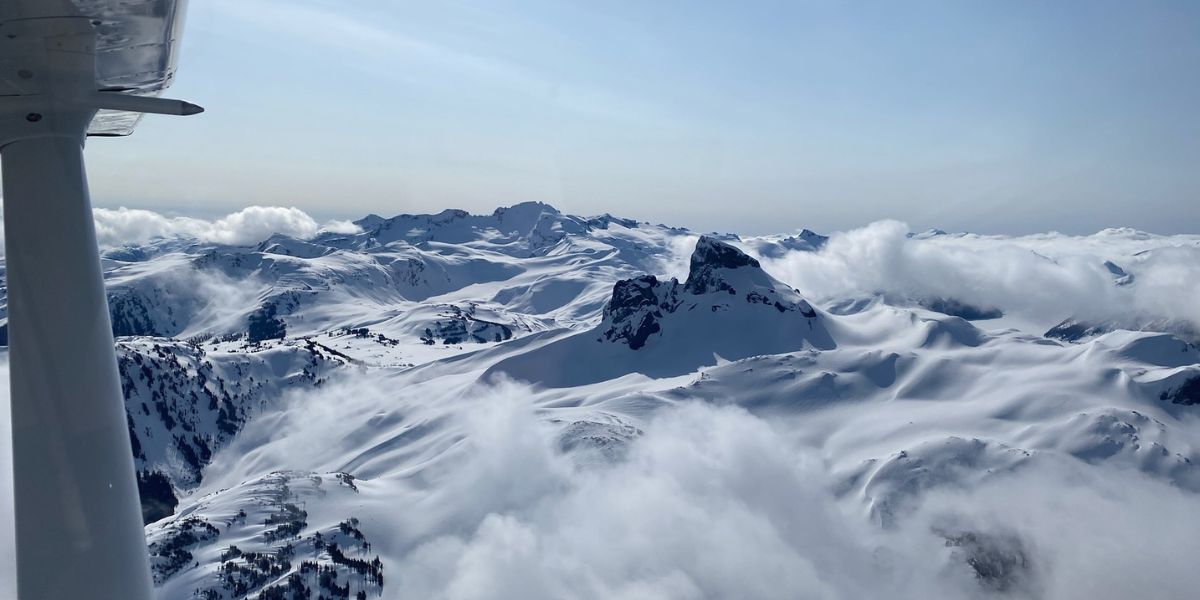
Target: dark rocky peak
[
  {"x": 709, "y": 259},
  {"x": 710, "y": 252},
  {"x": 640, "y": 293},
  {"x": 636, "y": 308},
  {"x": 723, "y": 280}
]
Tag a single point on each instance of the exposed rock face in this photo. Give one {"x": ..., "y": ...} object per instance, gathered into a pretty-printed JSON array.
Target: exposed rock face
[
  {"x": 709, "y": 259},
  {"x": 1071, "y": 330},
  {"x": 636, "y": 307},
  {"x": 157, "y": 496},
  {"x": 182, "y": 404},
  {"x": 461, "y": 326},
  {"x": 152, "y": 311},
  {"x": 1078, "y": 330},
  {"x": 264, "y": 324},
  {"x": 717, "y": 270},
  {"x": 963, "y": 310},
  {"x": 1187, "y": 394}
]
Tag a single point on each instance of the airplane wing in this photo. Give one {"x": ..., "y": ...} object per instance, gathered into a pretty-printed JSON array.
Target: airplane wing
[{"x": 68, "y": 69}]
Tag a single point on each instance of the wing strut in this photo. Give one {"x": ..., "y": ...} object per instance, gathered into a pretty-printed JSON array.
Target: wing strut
[{"x": 79, "y": 527}]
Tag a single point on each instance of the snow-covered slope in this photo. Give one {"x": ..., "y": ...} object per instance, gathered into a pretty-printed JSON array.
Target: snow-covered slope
[
  {"x": 528, "y": 267},
  {"x": 728, "y": 308},
  {"x": 185, "y": 401},
  {"x": 533, "y": 404}
]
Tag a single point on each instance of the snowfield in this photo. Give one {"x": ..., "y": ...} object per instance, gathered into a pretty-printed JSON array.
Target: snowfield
[{"x": 530, "y": 404}]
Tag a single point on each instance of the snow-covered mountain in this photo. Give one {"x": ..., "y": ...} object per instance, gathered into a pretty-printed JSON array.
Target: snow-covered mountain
[
  {"x": 533, "y": 404},
  {"x": 728, "y": 309}
]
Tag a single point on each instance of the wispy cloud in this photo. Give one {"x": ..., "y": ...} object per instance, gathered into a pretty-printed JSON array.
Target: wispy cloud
[
  {"x": 377, "y": 42},
  {"x": 366, "y": 40}
]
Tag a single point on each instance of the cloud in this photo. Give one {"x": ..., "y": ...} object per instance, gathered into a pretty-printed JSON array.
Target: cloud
[
  {"x": 708, "y": 504},
  {"x": 247, "y": 226},
  {"x": 482, "y": 502},
  {"x": 253, "y": 224},
  {"x": 1087, "y": 531},
  {"x": 717, "y": 503},
  {"x": 423, "y": 50},
  {"x": 1041, "y": 278},
  {"x": 340, "y": 226}
]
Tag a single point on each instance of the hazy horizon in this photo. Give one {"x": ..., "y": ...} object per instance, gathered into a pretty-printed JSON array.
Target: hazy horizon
[
  {"x": 782, "y": 226},
  {"x": 1009, "y": 118}
]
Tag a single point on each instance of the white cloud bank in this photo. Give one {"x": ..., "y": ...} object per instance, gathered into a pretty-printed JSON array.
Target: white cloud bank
[
  {"x": 717, "y": 503},
  {"x": 253, "y": 224},
  {"x": 1043, "y": 278},
  {"x": 709, "y": 502},
  {"x": 250, "y": 225}
]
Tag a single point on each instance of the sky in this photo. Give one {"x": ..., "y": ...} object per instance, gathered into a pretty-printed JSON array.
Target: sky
[{"x": 760, "y": 116}]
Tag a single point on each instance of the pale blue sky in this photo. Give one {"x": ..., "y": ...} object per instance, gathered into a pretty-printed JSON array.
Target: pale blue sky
[{"x": 1004, "y": 116}]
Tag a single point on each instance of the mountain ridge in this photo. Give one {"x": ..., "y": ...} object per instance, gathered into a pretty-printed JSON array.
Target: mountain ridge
[{"x": 381, "y": 402}]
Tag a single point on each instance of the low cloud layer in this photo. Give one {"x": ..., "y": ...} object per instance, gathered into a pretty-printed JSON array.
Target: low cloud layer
[
  {"x": 717, "y": 503},
  {"x": 1042, "y": 278},
  {"x": 707, "y": 502},
  {"x": 253, "y": 224},
  {"x": 250, "y": 225}
]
